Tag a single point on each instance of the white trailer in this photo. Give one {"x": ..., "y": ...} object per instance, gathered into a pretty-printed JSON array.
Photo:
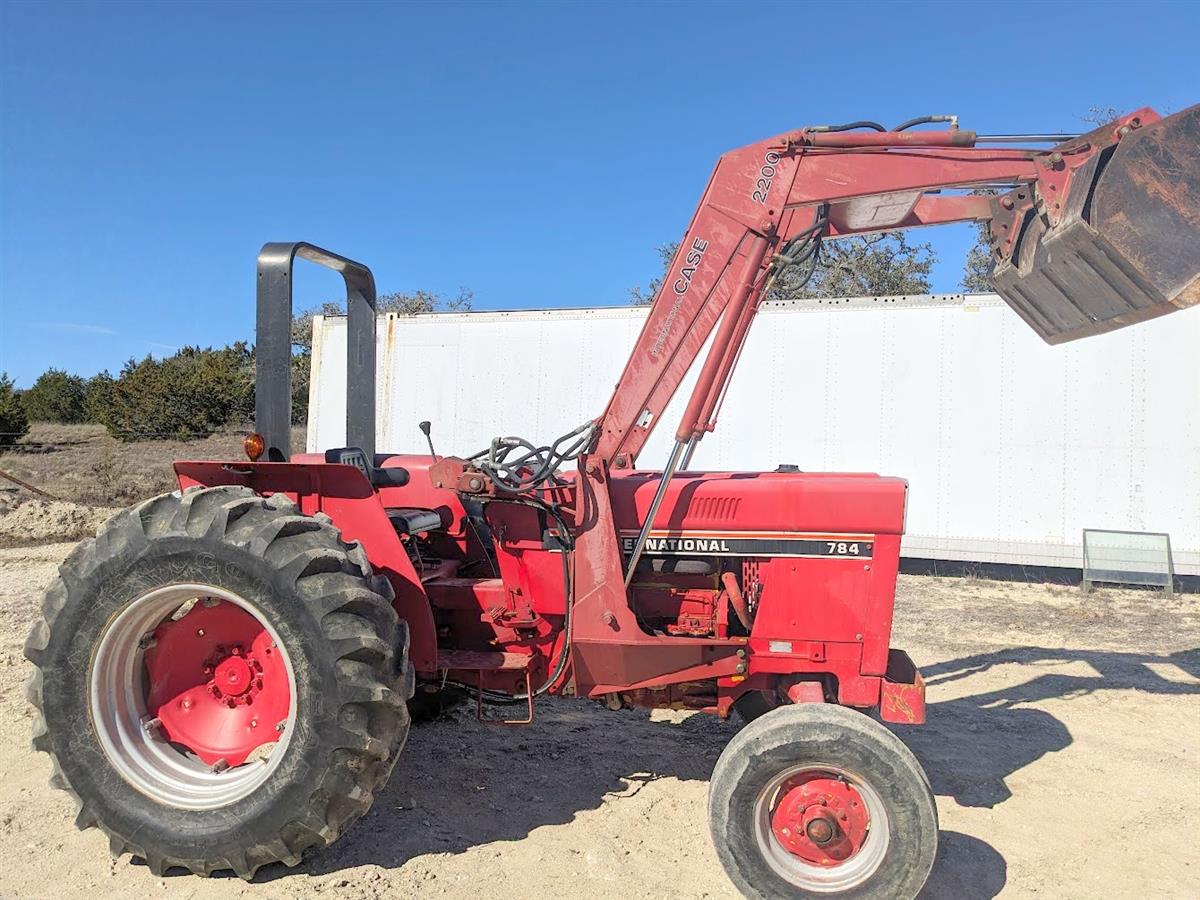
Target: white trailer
[{"x": 1011, "y": 447}]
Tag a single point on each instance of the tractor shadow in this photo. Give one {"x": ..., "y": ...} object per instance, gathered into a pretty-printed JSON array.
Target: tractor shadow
[
  {"x": 461, "y": 784},
  {"x": 970, "y": 745}
]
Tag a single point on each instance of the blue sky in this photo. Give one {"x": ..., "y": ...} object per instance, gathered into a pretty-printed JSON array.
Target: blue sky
[{"x": 536, "y": 153}]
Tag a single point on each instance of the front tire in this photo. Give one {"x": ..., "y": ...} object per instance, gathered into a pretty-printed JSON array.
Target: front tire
[
  {"x": 220, "y": 681},
  {"x": 816, "y": 800}
]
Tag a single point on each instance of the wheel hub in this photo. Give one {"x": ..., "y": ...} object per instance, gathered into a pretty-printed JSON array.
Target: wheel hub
[
  {"x": 820, "y": 818},
  {"x": 232, "y": 676},
  {"x": 217, "y": 684}
]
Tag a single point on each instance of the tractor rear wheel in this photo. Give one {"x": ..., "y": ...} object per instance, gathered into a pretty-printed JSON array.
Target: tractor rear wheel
[
  {"x": 817, "y": 800},
  {"x": 220, "y": 682}
]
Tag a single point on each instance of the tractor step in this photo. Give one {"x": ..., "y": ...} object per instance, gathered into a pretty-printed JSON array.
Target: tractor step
[
  {"x": 483, "y": 660},
  {"x": 491, "y": 661}
]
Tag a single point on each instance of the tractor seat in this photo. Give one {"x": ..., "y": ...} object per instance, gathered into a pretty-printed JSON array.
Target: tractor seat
[{"x": 413, "y": 521}]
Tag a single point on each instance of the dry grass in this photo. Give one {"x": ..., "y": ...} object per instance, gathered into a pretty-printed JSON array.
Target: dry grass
[{"x": 83, "y": 464}]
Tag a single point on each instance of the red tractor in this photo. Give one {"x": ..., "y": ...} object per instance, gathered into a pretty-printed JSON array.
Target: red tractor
[{"x": 224, "y": 675}]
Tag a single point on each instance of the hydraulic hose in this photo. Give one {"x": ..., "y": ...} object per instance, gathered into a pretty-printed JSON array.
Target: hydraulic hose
[
  {"x": 926, "y": 120},
  {"x": 504, "y": 469},
  {"x": 848, "y": 126}
]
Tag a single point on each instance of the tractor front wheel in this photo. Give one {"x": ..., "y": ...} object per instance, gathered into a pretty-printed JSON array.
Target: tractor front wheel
[
  {"x": 220, "y": 682},
  {"x": 816, "y": 800}
]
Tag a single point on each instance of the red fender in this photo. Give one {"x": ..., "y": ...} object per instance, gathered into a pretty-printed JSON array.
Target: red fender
[{"x": 344, "y": 494}]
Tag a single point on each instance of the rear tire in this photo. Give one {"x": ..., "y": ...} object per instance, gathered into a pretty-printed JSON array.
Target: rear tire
[
  {"x": 331, "y": 620},
  {"x": 799, "y": 762}
]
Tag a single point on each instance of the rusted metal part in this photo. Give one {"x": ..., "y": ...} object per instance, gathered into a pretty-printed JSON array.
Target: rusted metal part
[
  {"x": 700, "y": 695},
  {"x": 820, "y": 818},
  {"x": 24, "y": 484},
  {"x": 481, "y": 660},
  {"x": 1111, "y": 241},
  {"x": 1008, "y": 214},
  {"x": 456, "y": 474},
  {"x": 740, "y": 608},
  {"x": 902, "y": 694},
  {"x": 951, "y": 137},
  {"x": 499, "y": 720}
]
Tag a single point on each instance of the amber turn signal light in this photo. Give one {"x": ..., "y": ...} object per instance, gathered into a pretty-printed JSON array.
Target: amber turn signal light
[{"x": 254, "y": 446}]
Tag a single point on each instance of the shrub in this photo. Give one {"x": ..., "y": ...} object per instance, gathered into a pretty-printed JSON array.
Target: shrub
[
  {"x": 188, "y": 395},
  {"x": 96, "y": 397},
  {"x": 14, "y": 422},
  {"x": 56, "y": 397}
]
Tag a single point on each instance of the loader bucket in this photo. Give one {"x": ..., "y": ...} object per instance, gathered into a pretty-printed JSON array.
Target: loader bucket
[{"x": 1126, "y": 245}]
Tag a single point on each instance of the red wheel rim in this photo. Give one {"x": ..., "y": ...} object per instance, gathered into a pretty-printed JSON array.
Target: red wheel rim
[
  {"x": 217, "y": 683},
  {"x": 820, "y": 818},
  {"x": 823, "y": 828}
]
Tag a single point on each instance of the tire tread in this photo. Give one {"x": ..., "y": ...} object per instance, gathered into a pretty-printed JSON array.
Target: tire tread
[{"x": 350, "y": 605}]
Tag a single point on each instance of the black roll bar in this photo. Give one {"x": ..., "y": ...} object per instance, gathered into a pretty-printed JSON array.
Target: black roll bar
[{"x": 273, "y": 350}]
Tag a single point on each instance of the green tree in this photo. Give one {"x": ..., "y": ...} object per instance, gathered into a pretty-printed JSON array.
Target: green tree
[
  {"x": 14, "y": 421},
  {"x": 977, "y": 267},
  {"x": 420, "y": 302},
  {"x": 97, "y": 395},
  {"x": 56, "y": 397},
  {"x": 883, "y": 264},
  {"x": 187, "y": 395}
]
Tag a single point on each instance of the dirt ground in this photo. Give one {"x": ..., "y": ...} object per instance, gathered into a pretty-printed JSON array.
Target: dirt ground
[
  {"x": 1063, "y": 745},
  {"x": 84, "y": 464}
]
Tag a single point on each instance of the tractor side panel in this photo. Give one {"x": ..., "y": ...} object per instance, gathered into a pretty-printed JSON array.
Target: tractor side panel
[{"x": 846, "y": 600}]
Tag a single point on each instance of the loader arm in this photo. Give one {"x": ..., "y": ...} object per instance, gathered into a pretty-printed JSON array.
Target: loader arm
[
  {"x": 814, "y": 184},
  {"x": 1098, "y": 232}
]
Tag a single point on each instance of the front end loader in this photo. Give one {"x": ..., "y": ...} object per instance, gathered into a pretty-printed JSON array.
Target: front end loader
[{"x": 225, "y": 676}]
